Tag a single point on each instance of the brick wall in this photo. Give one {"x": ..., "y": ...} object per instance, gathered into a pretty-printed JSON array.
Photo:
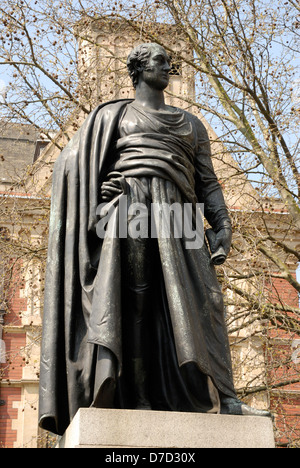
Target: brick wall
[
  {"x": 11, "y": 372},
  {"x": 284, "y": 368},
  {"x": 10, "y": 390},
  {"x": 287, "y": 420},
  {"x": 283, "y": 291},
  {"x": 8, "y": 413},
  {"x": 16, "y": 303}
]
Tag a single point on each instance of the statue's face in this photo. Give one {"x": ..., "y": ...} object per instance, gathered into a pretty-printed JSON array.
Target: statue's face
[{"x": 156, "y": 72}]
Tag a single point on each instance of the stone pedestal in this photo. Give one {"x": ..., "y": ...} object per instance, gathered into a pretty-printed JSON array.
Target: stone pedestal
[{"x": 111, "y": 428}]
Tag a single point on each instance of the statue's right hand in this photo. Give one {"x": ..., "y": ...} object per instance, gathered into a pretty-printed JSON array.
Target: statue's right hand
[{"x": 110, "y": 189}]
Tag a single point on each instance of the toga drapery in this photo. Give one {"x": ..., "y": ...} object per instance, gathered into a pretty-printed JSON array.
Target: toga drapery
[{"x": 83, "y": 341}]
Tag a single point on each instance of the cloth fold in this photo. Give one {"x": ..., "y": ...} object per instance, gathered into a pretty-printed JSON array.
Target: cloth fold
[{"x": 83, "y": 306}]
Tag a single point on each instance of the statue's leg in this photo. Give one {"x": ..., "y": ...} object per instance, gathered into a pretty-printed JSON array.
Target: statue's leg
[{"x": 137, "y": 271}]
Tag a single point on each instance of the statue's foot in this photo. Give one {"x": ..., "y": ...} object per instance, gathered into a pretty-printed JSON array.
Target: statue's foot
[
  {"x": 233, "y": 406},
  {"x": 143, "y": 405}
]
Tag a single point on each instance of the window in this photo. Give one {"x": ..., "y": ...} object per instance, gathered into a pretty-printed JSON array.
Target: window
[{"x": 176, "y": 67}]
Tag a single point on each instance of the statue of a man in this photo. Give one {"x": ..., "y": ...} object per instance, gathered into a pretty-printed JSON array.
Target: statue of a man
[{"x": 135, "y": 321}]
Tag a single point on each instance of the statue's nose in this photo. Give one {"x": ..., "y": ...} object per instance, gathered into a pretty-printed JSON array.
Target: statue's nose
[{"x": 167, "y": 67}]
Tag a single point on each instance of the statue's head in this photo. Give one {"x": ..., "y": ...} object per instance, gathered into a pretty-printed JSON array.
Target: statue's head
[{"x": 149, "y": 62}]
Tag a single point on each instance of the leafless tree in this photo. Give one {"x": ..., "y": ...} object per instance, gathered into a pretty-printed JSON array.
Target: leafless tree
[{"x": 245, "y": 66}]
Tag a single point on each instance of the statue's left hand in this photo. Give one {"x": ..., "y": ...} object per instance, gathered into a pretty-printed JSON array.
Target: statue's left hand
[
  {"x": 110, "y": 189},
  {"x": 223, "y": 238}
]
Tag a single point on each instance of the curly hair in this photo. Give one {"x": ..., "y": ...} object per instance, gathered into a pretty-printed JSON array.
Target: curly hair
[{"x": 138, "y": 58}]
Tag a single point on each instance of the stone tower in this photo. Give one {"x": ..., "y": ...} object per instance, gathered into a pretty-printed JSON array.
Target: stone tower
[{"x": 103, "y": 50}]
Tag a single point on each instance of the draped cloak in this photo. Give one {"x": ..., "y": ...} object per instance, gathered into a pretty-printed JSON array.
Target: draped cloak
[{"x": 81, "y": 353}]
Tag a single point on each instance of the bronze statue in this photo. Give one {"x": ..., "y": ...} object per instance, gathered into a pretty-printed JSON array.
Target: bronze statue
[{"x": 131, "y": 321}]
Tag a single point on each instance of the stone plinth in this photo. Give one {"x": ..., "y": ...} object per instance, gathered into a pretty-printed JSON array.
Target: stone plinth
[{"x": 111, "y": 428}]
